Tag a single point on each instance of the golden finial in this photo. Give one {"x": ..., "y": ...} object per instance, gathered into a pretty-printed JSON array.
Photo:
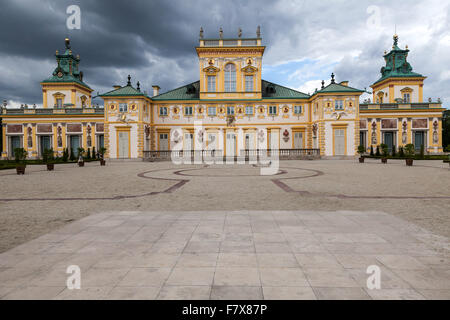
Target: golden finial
[
  {"x": 406, "y": 47},
  {"x": 67, "y": 41},
  {"x": 57, "y": 52}
]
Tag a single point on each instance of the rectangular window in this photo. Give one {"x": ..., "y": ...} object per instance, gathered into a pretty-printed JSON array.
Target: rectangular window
[
  {"x": 230, "y": 110},
  {"x": 123, "y": 107},
  {"x": 211, "y": 111},
  {"x": 338, "y": 105},
  {"x": 163, "y": 142},
  {"x": 211, "y": 83},
  {"x": 248, "y": 83},
  {"x": 163, "y": 111},
  {"x": 188, "y": 111},
  {"x": 59, "y": 103},
  {"x": 406, "y": 98},
  {"x": 297, "y": 109},
  {"x": 273, "y": 110},
  {"x": 248, "y": 110}
]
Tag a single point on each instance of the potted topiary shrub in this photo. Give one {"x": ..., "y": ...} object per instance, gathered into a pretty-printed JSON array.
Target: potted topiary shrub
[
  {"x": 102, "y": 151},
  {"x": 49, "y": 159},
  {"x": 65, "y": 156},
  {"x": 80, "y": 157},
  {"x": 361, "y": 151},
  {"x": 385, "y": 152},
  {"x": 71, "y": 155},
  {"x": 20, "y": 155},
  {"x": 409, "y": 151}
]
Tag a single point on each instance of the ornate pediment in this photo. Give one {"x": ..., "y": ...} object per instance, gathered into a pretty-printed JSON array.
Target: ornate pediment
[
  {"x": 406, "y": 90},
  {"x": 249, "y": 69},
  {"x": 211, "y": 70}
]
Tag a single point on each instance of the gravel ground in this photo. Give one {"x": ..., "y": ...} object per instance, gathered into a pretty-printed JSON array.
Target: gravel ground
[{"x": 423, "y": 191}]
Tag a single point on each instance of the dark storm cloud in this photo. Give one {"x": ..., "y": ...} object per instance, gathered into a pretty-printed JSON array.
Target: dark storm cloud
[{"x": 154, "y": 40}]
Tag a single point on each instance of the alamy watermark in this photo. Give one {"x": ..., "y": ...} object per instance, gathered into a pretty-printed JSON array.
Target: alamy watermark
[
  {"x": 225, "y": 146},
  {"x": 374, "y": 280},
  {"x": 74, "y": 280},
  {"x": 73, "y": 21}
]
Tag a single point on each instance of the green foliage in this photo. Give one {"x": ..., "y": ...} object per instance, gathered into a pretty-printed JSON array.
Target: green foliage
[
  {"x": 446, "y": 129},
  {"x": 377, "y": 153},
  {"x": 394, "y": 152},
  {"x": 48, "y": 156},
  {"x": 409, "y": 150},
  {"x": 65, "y": 156},
  {"x": 88, "y": 154},
  {"x": 102, "y": 151},
  {"x": 361, "y": 150},
  {"x": 384, "y": 149},
  {"x": 72, "y": 156},
  {"x": 422, "y": 151},
  {"x": 371, "y": 151},
  {"x": 81, "y": 152},
  {"x": 447, "y": 148},
  {"x": 20, "y": 154},
  {"x": 401, "y": 152},
  {"x": 94, "y": 156}
]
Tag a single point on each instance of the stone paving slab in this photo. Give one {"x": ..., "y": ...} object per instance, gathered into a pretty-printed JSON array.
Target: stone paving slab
[{"x": 230, "y": 255}]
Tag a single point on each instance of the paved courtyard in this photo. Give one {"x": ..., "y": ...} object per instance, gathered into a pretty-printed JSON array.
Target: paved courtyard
[
  {"x": 160, "y": 231},
  {"x": 230, "y": 255}
]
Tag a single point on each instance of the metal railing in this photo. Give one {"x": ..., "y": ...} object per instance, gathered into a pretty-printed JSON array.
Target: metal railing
[
  {"x": 282, "y": 154},
  {"x": 50, "y": 111}
]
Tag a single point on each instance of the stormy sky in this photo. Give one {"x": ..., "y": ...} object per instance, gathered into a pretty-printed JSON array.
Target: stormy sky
[{"x": 154, "y": 41}]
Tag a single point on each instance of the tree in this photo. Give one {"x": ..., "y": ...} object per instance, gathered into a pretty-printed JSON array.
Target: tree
[
  {"x": 65, "y": 155},
  {"x": 446, "y": 129},
  {"x": 377, "y": 153},
  {"x": 409, "y": 150},
  {"x": 72, "y": 155},
  {"x": 361, "y": 150},
  {"x": 93, "y": 153},
  {"x": 371, "y": 151},
  {"x": 394, "y": 153},
  {"x": 385, "y": 149},
  {"x": 88, "y": 154},
  {"x": 401, "y": 152}
]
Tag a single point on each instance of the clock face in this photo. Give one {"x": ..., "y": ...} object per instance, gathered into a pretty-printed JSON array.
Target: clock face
[{"x": 59, "y": 74}]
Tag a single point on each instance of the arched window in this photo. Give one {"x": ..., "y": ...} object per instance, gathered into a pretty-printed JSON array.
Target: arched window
[{"x": 230, "y": 78}]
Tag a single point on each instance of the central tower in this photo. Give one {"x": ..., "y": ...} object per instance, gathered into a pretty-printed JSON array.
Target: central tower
[{"x": 230, "y": 69}]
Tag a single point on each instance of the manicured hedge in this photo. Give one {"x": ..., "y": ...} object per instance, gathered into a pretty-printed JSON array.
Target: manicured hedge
[
  {"x": 11, "y": 164},
  {"x": 416, "y": 157}
]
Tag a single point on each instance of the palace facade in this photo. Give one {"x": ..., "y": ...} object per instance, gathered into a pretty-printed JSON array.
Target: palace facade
[{"x": 230, "y": 109}]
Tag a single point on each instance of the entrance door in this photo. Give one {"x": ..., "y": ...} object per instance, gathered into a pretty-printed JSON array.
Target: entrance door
[
  {"x": 389, "y": 140},
  {"x": 123, "y": 144},
  {"x": 163, "y": 141},
  {"x": 419, "y": 140},
  {"x": 74, "y": 145},
  {"x": 249, "y": 141},
  {"x": 101, "y": 141},
  {"x": 15, "y": 143},
  {"x": 339, "y": 142},
  {"x": 362, "y": 139},
  {"x": 231, "y": 145},
  {"x": 45, "y": 143},
  {"x": 188, "y": 141},
  {"x": 298, "y": 140}
]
